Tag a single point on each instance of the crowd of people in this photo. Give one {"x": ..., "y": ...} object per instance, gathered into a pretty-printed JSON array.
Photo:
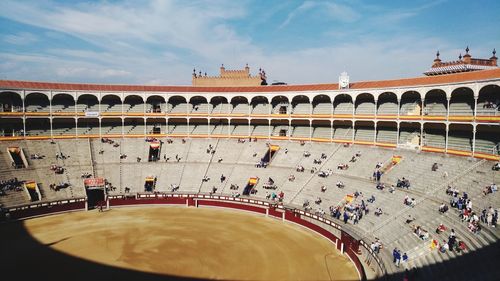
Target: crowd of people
[
  {"x": 57, "y": 169},
  {"x": 10, "y": 184},
  {"x": 57, "y": 187}
]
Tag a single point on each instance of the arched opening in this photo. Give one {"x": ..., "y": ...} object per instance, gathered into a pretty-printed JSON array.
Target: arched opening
[
  {"x": 488, "y": 139},
  {"x": 301, "y": 129},
  {"x": 156, "y": 126},
  {"x": 220, "y": 105},
  {"x": 219, "y": 127},
  {"x": 87, "y": 103},
  {"x": 342, "y": 130},
  {"x": 63, "y": 103},
  {"x": 280, "y": 105},
  {"x": 155, "y": 104},
  {"x": 133, "y": 104},
  {"x": 435, "y": 103},
  {"x": 13, "y": 127},
  {"x": 178, "y": 105},
  {"x": 133, "y": 126},
  {"x": 411, "y": 103},
  {"x": 322, "y": 105},
  {"x": 199, "y": 126},
  {"x": 365, "y": 104},
  {"x": 280, "y": 128},
  {"x": 460, "y": 137},
  {"x": 260, "y": 128},
  {"x": 488, "y": 101},
  {"x": 36, "y": 102},
  {"x": 387, "y": 132},
  {"x": 387, "y": 104},
  {"x": 111, "y": 104},
  {"x": 260, "y": 105},
  {"x": 65, "y": 127},
  {"x": 240, "y": 127},
  {"x": 37, "y": 127},
  {"x": 322, "y": 129},
  {"x": 111, "y": 126},
  {"x": 409, "y": 133},
  {"x": 10, "y": 102},
  {"x": 462, "y": 102},
  {"x": 199, "y": 105},
  {"x": 301, "y": 105},
  {"x": 239, "y": 106},
  {"x": 434, "y": 135},
  {"x": 177, "y": 126},
  {"x": 88, "y": 126},
  {"x": 364, "y": 131},
  {"x": 343, "y": 104}
]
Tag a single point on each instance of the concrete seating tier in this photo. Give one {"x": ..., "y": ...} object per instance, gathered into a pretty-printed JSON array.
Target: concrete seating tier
[
  {"x": 181, "y": 108},
  {"x": 487, "y": 145},
  {"x": 301, "y": 132},
  {"x": 201, "y": 108},
  {"x": 364, "y": 134},
  {"x": 115, "y": 108},
  {"x": 461, "y": 108},
  {"x": 260, "y": 131},
  {"x": 241, "y": 130},
  {"x": 460, "y": 142},
  {"x": 222, "y": 108},
  {"x": 302, "y": 108},
  {"x": 387, "y": 108},
  {"x": 200, "y": 129},
  {"x": 276, "y": 108},
  {"x": 342, "y": 133},
  {"x": 407, "y": 108},
  {"x": 435, "y": 108},
  {"x": 236, "y": 161},
  {"x": 322, "y": 132},
  {"x": 36, "y": 108},
  {"x": 222, "y": 129},
  {"x": 276, "y": 130},
  {"x": 241, "y": 108},
  {"x": 179, "y": 129},
  {"x": 366, "y": 108},
  {"x": 323, "y": 108},
  {"x": 434, "y": 140},
  {"x": 134, "y": 129},
  {"x": 343, "y": 108},
  {"x": 261, "y": 108},
  {"x": 385, "y": 135}
]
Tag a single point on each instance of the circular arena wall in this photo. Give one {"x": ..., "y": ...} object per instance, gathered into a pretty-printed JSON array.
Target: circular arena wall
[{"x": 356, "y": 250}]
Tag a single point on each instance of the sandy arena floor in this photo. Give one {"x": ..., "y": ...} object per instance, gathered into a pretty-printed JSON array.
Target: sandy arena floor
[{"x": 202, "y": 243}]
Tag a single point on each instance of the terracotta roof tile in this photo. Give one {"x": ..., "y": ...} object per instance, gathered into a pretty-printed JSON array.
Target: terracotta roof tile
[{"x": 425, "y": 80}]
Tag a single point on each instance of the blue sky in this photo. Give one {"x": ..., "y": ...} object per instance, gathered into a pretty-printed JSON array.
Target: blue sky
[{"x": 298, "y": 42}]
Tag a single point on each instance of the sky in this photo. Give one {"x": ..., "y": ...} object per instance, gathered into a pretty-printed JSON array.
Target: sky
[{"x": 159, "y": 42}]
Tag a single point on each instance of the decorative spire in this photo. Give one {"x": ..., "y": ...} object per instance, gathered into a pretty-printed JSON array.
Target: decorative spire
[
  {"x": 494, "y": 52},
  {"x": 437, "y": 60},
  {"x": 467, "y": 50},
  {"x": 460, "y": 56}
]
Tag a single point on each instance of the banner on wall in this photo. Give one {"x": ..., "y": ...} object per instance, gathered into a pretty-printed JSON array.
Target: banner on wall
[
  {"x": 94, "y": 182},
  {"x": 91, "y": 114}
]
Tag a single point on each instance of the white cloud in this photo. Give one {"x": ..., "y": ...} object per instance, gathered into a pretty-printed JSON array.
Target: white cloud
[
  {"x": 330, "y": 10},
  {"x": 159, "y": 42},
  {"x": 21, "y": 38}
]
